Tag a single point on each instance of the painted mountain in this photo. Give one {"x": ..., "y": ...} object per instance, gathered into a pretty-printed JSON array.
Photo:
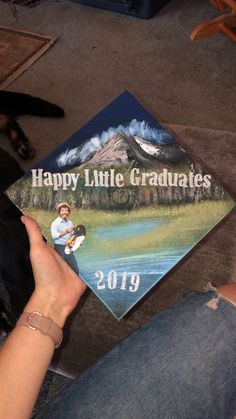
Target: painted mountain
[{"x": 143, "y": 201}]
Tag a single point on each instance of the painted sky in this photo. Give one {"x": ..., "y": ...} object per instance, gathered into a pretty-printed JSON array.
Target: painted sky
[
  {"x": 84, "y": 152},
  {"x": 125, "y": 114}
]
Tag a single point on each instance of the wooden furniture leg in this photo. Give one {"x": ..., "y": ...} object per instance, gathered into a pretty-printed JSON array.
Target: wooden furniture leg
[
  {"x": 211, "y": 27},
  {"x": 231, "y": 4},
  {"x": 224, "y": 23},
  {"x": 219, "y": 5}
]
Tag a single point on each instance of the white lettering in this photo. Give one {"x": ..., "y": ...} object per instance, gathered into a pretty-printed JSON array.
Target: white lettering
[
  {"x": 206, "y": 181},
  {"x": 74, "y": 178},
  {"x": 37, "y": 179}
]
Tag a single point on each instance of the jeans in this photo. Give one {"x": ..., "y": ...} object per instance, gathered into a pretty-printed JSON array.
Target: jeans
[
  {"x": 180, "y": 365},
  {"x": 70, "y": 259}
]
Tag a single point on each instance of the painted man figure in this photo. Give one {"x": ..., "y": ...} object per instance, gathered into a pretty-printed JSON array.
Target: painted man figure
[{"x": 61, "y": 230}]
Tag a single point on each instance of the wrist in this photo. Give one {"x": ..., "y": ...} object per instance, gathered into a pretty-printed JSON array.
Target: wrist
[{"x": 48, "y": 306}]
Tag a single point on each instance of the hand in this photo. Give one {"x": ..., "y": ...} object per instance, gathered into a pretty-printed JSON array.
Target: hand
[
  {"x": 57, "y": 287},
  {"x": 69, "y": 229}
]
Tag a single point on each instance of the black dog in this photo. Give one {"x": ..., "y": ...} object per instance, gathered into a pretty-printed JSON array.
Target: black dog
[
  {"x": 16, "y": 278},
  {"x": 14, "y": 104}
]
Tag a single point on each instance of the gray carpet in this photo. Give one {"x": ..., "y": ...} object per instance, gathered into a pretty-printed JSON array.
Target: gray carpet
[{"x": 97, "y": 56}]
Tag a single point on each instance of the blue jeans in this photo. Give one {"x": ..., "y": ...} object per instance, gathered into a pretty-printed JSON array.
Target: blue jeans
[
  {"x": 70, "y": 259},
  {"x": 179, "y": 365}
]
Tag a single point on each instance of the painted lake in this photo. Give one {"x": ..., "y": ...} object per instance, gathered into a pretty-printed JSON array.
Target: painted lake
[{"x": 122, "y": 278}]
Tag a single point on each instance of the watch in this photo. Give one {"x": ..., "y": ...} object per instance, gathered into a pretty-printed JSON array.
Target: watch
[{"x": 37, "y": 321}]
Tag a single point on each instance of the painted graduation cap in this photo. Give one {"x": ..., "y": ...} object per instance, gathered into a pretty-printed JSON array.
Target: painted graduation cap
[{"x": 142, "y": 199}]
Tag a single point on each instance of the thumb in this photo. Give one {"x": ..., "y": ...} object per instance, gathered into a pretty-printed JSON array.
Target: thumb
[{"x": 33, "y": 231}]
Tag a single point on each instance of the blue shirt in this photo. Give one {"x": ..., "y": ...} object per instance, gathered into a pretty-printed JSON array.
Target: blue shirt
[{"x": 57, "y": 227}]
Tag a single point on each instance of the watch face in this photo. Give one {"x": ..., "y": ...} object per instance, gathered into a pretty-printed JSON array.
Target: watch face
[
  {"x": 33, "y": 321},
  {"x": 37, "y": 321},
  {"x": 141, "y": 199}
]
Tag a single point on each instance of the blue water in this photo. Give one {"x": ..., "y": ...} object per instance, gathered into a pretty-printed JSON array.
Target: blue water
[
  {"x": 147, "y": 268},
  {"x": 126, "y": 230}
]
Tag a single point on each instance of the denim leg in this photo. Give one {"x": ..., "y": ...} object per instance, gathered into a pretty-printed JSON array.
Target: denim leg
[
  {"x": 179, "y": 365},
  {"x": 70, "y": 259}
]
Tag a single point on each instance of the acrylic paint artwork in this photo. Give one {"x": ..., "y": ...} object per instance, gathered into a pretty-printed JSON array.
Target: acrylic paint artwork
[{"x": 137, "y": 202}]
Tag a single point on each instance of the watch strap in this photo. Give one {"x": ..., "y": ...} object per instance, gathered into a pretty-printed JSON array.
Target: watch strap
[{"x": 37, "y": 321}]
